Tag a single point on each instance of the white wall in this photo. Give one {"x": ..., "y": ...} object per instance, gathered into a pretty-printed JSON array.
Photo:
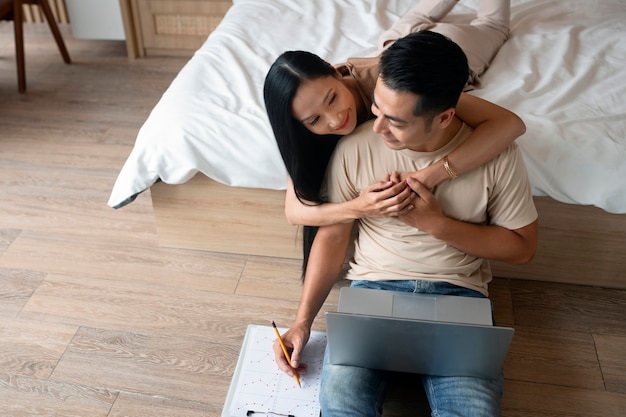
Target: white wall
[{"x": 96, "y": 19}]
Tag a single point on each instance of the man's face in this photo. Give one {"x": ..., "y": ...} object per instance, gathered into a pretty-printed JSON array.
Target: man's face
[{"x": 396, "y": 123}]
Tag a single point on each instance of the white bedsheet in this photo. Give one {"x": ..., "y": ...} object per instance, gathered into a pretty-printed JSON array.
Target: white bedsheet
[{"x": 563, "y": 71}]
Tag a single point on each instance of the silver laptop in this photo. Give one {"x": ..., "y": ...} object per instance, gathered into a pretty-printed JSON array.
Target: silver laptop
[{"x": 419, "y": 333}]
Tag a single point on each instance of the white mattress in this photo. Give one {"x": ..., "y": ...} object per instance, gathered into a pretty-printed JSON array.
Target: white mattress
[{"x": 563, "y": 71}]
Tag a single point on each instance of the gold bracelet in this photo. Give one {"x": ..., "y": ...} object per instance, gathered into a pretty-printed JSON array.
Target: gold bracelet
[{"x": 446, "y": 165}]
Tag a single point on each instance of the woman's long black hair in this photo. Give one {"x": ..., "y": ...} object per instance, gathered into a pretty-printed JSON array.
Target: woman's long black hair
[{"x": 304, "y": 153}]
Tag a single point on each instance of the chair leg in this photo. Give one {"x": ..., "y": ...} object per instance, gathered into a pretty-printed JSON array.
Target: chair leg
[
  {"x": 47, "y": 11},
  {"x": 18, "y": 25}
]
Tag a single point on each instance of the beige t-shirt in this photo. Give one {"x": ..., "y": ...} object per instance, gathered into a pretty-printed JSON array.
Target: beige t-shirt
[{"x": 497, "y": 193}]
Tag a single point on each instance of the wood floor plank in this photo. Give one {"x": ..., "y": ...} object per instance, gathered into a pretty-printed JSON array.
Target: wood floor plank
[
  {"x": 79, "y": 120},
  {"x": 553, "y": 357},
  {"x": 29, "y": 397},
  {"x": 137, "y": 405},
  {"x": 272, "y": 278},
  {"x": 7, "y": 236},
  {"x": 122, "y": 259},
  {"x": 612, "y": 357},
  {"x": 277, "y": 278},
  {"x": 136, "y": 307},
  {"x": 569, "y": 307},
  {"x": 47, "y": 75},
  {"x": 93, "y": 158},
  {"x": 18, "y": 129},
  {"x": 59, "y": 201},
  {"x": 181, "y": 368},
  {"x": 500, "y": 296},
  {"x": 525, "y": 399},
  {"x": 16, "y": 287},
  {"x": 32, "y": 348}
]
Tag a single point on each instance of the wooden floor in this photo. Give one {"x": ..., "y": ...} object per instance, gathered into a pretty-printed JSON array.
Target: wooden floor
[{"x": 97, "y": 320}]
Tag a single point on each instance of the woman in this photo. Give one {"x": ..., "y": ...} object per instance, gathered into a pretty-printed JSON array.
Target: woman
[{"x": 312, "y": 104}]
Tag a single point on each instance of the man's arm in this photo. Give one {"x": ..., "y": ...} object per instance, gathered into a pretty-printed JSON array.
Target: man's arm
[
  {"x": 484, "y": 241},
  {"x": 325, "y": 262}
]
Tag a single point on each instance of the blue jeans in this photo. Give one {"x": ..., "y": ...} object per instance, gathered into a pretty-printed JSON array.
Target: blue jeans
[{"x": 353, "y": 391}]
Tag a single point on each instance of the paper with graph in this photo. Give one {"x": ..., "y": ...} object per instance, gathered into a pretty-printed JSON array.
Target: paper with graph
[{"x": 259, "y": 388}]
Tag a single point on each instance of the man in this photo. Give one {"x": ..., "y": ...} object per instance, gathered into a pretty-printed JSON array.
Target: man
[{"x": 441, "y": 246}]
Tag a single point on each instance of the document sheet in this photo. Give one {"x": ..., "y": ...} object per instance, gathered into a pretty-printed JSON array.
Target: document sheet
[{"x": 259, "y": 388}]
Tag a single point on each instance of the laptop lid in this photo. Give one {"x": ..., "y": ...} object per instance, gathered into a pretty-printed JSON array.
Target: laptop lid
[{"x": 416, "y": 345}]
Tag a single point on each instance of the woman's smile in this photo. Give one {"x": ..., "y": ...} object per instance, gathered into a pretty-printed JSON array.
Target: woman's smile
[{"x": 345, "y": 122}]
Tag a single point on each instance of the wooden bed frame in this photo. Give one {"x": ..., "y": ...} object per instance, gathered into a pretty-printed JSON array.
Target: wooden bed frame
[{"x": 577, "y": 244}]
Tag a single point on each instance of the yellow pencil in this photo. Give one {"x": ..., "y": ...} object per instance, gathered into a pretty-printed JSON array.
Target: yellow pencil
[{"x": 282, "y": 345}]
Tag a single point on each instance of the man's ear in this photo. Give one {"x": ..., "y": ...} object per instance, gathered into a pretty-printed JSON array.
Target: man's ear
[{"x": 445, "y": 117}]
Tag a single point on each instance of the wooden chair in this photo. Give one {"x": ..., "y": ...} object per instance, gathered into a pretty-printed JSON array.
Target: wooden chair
[{"x": 12, "y": 10}]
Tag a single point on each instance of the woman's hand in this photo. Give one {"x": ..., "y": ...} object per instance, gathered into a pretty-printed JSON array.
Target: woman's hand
[
  {"x": 429, "y": 177},
  {"x": 387, "y": 198},
  {"x": 294, "y": 339}
]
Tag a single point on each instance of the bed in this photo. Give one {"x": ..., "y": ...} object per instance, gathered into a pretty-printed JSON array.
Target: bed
[{"x": 207, "y": 155}]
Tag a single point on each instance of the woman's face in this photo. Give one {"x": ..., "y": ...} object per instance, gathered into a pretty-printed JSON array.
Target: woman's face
[{"x": 325, "y": 106}]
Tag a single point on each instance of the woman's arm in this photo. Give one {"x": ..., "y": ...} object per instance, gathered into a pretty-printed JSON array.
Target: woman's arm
[
  {"x": 494, "y": 129},
  {"x": 384, "y": 198},
  {"x": 325, "y": 262}
]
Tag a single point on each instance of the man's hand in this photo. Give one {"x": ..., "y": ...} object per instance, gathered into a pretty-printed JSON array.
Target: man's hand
[
  {"x": 294, "y": 339},
  {"x": 426, "y": 212}
]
